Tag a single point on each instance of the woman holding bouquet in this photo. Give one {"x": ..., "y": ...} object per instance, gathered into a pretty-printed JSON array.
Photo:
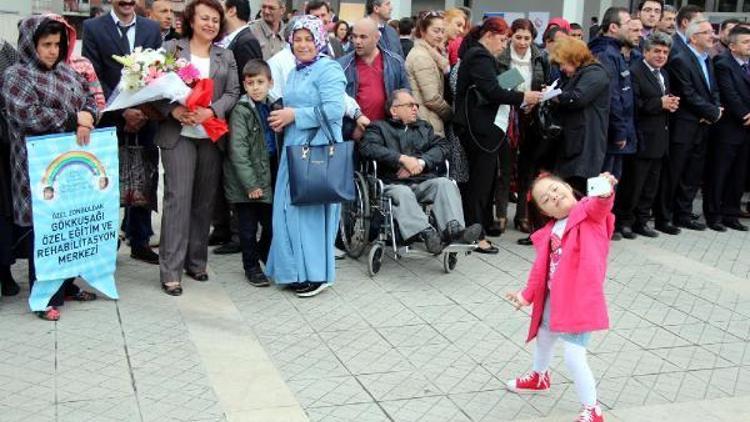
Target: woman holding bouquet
[
  {"x": 192, "y": 162},
  {"x": 302, "y": 247},
  {"x": 43, "y": 95}
]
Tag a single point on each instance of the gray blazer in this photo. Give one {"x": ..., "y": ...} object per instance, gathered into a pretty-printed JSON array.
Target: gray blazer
[{"x": 223, "y": 71}]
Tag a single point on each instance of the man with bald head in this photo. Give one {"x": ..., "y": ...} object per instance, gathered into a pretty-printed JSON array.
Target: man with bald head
[{"x": 371, "y": 73}]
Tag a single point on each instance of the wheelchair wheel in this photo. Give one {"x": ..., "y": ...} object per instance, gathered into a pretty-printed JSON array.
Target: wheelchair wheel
[
  {"x": 375, "y": 259},
  {"x": 355, "y": 219},
  {"x": 450, "y": 259}
]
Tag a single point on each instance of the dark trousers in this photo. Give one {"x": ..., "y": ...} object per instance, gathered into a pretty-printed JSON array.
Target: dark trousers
[
  {"x": 137, "y": 226},
  {"x": 224, "y": 220},
  {"x": 479, "y": 191},
  {"x": 7, "y": 241},
  {"x": 725, "y": 176},
  {"x": 254, "y": 251},
  {"x": 682, "y": 174},
  {"x": 613, "y": 165},
  {"x": 502, "y": 186},
  {"x": 637, "y": 190},
  {"x": 68, "y": 288}
]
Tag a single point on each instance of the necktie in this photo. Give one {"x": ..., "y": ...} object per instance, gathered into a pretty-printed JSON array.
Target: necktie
[
  {"x": 657, "y": 75},
  {"x": 124, "y": 36},
  {"x": 746, "y": 69}
]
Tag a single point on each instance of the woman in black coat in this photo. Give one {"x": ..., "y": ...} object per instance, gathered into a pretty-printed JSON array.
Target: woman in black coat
[
  {"x": 8, "y": 286},
  {"x": 478, "y": 97},
  {"x": 583, "y": 109},
  {"x": 532, "y": 156}
]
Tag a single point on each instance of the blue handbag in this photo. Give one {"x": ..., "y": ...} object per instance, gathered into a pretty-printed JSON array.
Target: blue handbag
[{"x": 321, "y": 174}]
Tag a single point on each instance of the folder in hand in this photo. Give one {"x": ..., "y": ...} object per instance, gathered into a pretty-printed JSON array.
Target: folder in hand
[{"x": 510, "y": 79}]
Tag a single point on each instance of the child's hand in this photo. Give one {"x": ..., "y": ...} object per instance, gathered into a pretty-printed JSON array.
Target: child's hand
[
  {"x": 517, "y": 300},
  {"x": 255, "y": 194},
  {"x": 612, "y": 181}
]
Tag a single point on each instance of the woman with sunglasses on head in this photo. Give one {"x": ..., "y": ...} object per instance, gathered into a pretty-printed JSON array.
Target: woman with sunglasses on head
[
  {"x": 478, "y": 98},
  {"x": 427, "y": 65}
]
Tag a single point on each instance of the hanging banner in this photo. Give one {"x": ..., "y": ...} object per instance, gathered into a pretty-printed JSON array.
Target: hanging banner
[
  {"x": 75, "y": 197},
  {"x": 540, "y": 21}
]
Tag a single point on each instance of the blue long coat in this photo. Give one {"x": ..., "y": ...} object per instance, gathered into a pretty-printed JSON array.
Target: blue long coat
[{"x": 303, "y": 236}]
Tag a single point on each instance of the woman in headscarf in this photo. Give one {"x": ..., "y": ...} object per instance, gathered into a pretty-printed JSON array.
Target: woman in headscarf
[
  {"x": 302, "y": 251},
  {"x": 44, "y": 95}
]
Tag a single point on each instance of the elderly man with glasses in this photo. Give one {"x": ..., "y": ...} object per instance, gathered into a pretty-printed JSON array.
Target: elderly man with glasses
[{"x": 409, "y": 155}]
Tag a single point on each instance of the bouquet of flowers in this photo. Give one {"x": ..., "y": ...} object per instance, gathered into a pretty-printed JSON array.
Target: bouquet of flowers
[{"x": 150, "y": 75}]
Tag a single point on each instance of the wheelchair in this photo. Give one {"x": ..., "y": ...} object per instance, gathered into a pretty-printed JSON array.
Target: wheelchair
[{"x": 368, "y": 221}]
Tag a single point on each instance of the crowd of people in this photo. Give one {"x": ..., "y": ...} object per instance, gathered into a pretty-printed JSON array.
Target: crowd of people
[{"x": 655, "y": 99}]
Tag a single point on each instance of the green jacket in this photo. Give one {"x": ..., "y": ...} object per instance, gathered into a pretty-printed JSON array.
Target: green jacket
[{"x": 247, "y": 164}]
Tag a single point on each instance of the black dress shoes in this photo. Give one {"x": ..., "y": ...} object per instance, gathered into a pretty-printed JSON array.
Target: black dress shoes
[
  {"x": 627, "y": 232},
  {"x": 645, "y": 231},
  {"x": 144, "y": 254},
  {"x": 668, "y": 228},
  {"x": 691, "y": 225},
  {"x": 717, "y": 227},
  {"x": 735, "y": 225}
]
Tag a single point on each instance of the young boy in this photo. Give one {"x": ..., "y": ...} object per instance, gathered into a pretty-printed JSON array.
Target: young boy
[{"x": 250, "y": 167}]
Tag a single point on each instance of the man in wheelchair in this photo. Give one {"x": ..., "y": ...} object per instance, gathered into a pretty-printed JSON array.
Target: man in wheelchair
[{"x": 410, "y": 155}]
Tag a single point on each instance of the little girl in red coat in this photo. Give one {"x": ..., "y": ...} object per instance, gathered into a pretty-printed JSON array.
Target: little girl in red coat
[{"x": 566, "y": 285}]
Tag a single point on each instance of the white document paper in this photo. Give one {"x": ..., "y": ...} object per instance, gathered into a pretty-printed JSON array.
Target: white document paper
[
  {"x": 551, "y": 91},
  {"x": 502, "y": 118}
]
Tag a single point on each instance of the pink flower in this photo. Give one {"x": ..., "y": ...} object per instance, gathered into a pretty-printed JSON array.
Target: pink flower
[
  {"x": 189, "y": 74},
  {"x": 152, "y": 74}
]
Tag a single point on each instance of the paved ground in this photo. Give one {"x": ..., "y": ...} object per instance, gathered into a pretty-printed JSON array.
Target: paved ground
[{"x": 412, "y": 344}]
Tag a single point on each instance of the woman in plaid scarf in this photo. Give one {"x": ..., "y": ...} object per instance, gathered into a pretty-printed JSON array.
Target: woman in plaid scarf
[{"x": 43, "y": 95}]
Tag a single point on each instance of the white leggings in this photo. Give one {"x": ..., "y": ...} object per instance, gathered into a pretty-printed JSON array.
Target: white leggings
[{"x": 575, "y": 360}]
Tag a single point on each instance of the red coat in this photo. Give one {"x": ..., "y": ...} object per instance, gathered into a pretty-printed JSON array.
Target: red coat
[{"x": 577, "y": 301}]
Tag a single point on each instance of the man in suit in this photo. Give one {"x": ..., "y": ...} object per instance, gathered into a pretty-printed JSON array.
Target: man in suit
[
  {"x": 380, "y": 12},
  {"x": 692, "y": 78},
  {"x": 119, "y": 33},
  {"x": 728, "y": 152},
  {"x": 161, "y": 11},
  {"x": 684, "y": 16},
  {"x": 641, "y": 172},
  {"x": 243, "y": 44}
]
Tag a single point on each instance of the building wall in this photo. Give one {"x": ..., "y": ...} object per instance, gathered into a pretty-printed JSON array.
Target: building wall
[
  {"x": 480, "y": 7},
  {"x": 11, "y": 11}
]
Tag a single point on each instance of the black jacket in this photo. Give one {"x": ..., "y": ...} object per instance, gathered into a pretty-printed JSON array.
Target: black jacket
[
  {"x": 478, "y": 96},
  {"x": 245, "y": 47},
  {"x": 734, "y": 87},
  {"x": 698, "y": 100},
  {"x": 621, "y": 107},
  {"x": 386, "y": 140},
  {"x": 651, "y": 120},
  {"x": 583, "y": 110},
  {"x": 678, "y": 46}
]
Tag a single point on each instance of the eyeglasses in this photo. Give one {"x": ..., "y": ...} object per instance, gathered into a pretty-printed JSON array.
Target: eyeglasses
[
  {"x": 708, "y": 31},
  {"x": 410, "y": 105}
]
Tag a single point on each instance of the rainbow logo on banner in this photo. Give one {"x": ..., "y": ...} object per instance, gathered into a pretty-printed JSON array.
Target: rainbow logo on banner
[{"x": 70, "y": 159}]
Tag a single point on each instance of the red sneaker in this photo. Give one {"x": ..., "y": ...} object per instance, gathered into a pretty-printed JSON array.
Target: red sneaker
[
  {"x": 590, "y": 414},
  {"x": 532, "y": 382}
]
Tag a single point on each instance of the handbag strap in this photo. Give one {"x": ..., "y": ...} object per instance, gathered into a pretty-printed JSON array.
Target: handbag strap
[{"x": 324, "y": 125}]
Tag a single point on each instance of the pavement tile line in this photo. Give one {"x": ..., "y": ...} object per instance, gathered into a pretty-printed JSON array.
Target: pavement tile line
[{"x": 130, "y": 363}]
